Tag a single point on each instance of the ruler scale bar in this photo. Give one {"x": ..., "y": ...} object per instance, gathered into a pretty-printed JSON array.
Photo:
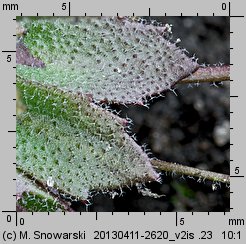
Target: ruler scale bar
[{"x": 133, "y": 227}]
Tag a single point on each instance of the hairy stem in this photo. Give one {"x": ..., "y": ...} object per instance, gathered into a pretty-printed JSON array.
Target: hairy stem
[
  {"x": 209, "y": 74},
  {"x": 190, "y": 171}
]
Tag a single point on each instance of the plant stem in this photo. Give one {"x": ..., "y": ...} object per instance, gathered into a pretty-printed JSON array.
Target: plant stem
[
  {"x": 209, "y": 74},
  {"x": 190, "y": 171}
]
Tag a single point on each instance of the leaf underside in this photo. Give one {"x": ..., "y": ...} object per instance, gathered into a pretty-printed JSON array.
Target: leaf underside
[
  {"x": 113, "y": 60},
  {"x": 79, "y": 146},
  {"x": 65, "y": 141}
]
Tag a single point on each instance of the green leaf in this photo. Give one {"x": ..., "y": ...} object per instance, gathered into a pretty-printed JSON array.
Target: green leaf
[
  {"x": 32, "y": 198},
  {"x": 31, "y": 202},
  {"x": 113, "y": 60},
  {"x": 65, "y": 139},
  {"x": 66, "y": 142}
]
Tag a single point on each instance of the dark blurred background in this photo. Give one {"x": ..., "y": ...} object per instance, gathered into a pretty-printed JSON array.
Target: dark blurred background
[{"x": 191, "y": 128}]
